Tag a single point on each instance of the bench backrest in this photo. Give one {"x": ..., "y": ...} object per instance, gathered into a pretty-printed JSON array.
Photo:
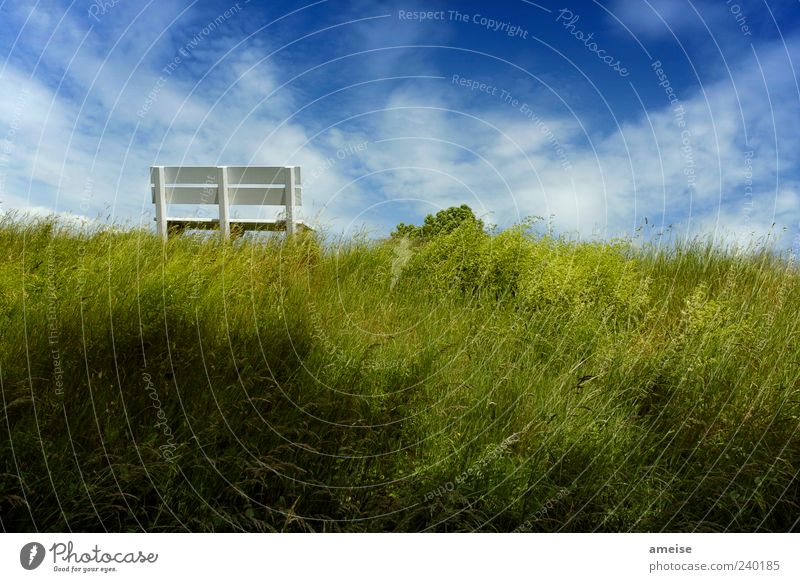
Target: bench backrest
[{"x": 225, "y": 186}]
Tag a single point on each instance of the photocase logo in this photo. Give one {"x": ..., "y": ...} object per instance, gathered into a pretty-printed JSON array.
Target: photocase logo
[{"x": 31, "y": 555}]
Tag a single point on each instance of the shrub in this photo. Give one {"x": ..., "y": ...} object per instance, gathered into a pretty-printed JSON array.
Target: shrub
[
  {"x": 509, "y": 254},
  {"x": 582, "y": 275},
  {"x": 537, "y": 273},
  {"x": 444, "y": 222},
  {"x": 458, "y": 260}
]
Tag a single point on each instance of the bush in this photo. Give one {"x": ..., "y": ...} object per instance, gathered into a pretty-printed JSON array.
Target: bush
[
  {"x": 445, "y": 222},
  {"x": 537, "y": 273},
  {"x": 581, "y": 275},
  {"x": 456, "y": 260}
]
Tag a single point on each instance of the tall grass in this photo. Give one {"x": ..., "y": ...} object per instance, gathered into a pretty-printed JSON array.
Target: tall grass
[{"x": 475, "y": 382}]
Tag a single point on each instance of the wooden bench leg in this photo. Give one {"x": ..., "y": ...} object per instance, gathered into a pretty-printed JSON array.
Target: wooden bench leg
[{"x": 161, "y": 203}]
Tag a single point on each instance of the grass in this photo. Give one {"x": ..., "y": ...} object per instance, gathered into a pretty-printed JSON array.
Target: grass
[{"x": 505, "y": 382}]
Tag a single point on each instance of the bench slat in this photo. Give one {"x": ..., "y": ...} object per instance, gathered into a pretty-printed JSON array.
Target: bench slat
[
  {"x": 194, "y": 175},
  {"x": 275, "y": 196},
  {"x": 199, "y": 175},
  {"x": 262, "y": 176},
  {"x": 242, "y": 195}
]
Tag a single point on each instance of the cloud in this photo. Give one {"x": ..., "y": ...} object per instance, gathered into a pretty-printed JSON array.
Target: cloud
[
  {"x": 89, "y": 151},
  {"x": 657, "y": 18},
  {"x": 90, "y": 123},
  {"x": 726, "y": 169}
]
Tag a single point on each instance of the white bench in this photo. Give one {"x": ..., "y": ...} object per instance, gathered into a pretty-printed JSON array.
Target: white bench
[{"x": 226, "y": 186}]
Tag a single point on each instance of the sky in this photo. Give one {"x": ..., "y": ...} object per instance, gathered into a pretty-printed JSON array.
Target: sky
[{"x": 608, "y": 118}]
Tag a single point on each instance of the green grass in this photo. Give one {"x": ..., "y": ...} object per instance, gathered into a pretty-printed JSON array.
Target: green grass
[{"x": 475, "y": 382}]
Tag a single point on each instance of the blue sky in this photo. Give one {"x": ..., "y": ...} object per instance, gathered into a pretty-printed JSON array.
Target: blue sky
[{"x": 600, "y": 114}]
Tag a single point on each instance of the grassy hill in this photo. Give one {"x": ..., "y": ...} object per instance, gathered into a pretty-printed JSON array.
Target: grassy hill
[{"x": 464, "y": 381}]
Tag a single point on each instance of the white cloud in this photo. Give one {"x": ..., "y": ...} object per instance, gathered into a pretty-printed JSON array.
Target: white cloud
[
  {"x": 428, "y": 141},
  {"x": 656, "y": 18}
]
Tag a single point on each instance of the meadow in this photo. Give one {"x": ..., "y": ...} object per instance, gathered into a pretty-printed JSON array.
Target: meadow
[{"x": 455, "y": 379}]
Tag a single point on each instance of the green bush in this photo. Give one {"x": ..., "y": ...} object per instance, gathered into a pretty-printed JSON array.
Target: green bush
[
  {"x": 444, "y": 222},
  {"x": 538, "y": 273},
  {"x": 454, "y": 260},
  {"x": 582, "y": 275}
]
